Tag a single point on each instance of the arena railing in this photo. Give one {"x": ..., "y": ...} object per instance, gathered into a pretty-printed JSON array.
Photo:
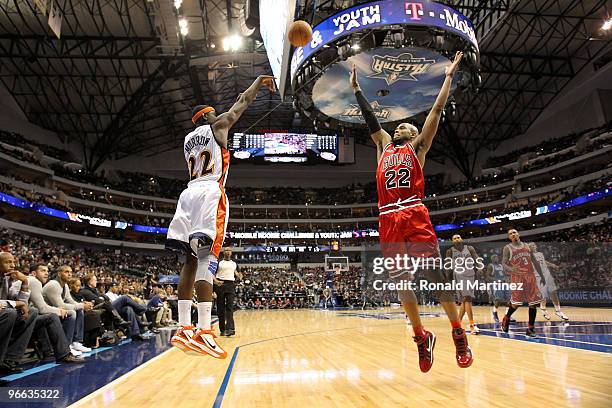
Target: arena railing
[
  {"x": 605, "y": 151},
  {"x": 488, "y": 188},
  {"x": 592, "y": 135},
  {"x": 544, "y": 230},
  {"x": 435, "y": 213},
  {"x": 564, "y": 184},
  {"x": 59, "y": 235},
  {"x": 27, "y": 165},
  {"x": 594, "y": 197},
  {"x": 113, "y": 191},
  {"x": 128, "y": 244},
  {"x": 521, "y": 176}
]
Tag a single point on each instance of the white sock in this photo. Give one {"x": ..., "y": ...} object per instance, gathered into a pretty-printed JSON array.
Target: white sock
[
  {"x": 204, "y": 312},
  {"x": 184, "y": 311},
  {"x": 558, "y": 308}
]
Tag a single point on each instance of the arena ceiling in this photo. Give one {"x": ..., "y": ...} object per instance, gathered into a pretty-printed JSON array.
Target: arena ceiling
[{"x": 121, "y": 81}]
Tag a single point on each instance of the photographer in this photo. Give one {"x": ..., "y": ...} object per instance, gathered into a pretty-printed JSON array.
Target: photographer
[{"x": 150, "y": 284}]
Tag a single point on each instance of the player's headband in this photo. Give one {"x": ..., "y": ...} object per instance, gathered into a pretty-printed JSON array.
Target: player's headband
[{"x": 202, "y": 112}]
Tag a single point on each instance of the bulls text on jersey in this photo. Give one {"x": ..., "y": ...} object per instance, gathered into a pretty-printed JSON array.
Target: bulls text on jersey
[{"x": 397, "y": 159}]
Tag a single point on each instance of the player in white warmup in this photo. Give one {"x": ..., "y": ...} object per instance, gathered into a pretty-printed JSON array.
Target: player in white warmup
[
  {"x": 548, "y": 289},
  {"x": 198, "y": 227},
  {"x": 459, "y": 252}
]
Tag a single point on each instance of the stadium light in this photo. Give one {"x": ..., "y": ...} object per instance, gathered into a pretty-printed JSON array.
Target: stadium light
[
  {"x": 607, "y": 24},
  {"x": 183, "y": 25},
  {"x": 232, "y": 42},
  {"x": 177, "y": 4}
]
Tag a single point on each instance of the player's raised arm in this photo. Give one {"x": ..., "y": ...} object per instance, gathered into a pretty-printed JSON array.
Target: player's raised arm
[
  {"x": 422, "y": 143},
  {"x": 226, "y": 120},
  {"x": 380, "y": 137}
]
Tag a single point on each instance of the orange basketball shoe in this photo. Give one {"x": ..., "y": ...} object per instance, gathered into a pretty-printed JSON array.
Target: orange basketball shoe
[
  {"x": 204, "y": 341},
  {"x": 182, "y": 339}
]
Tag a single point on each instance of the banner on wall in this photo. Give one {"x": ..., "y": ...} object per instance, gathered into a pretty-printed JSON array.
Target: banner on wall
[
  {"x": 41, "y": 5},
  {"x": 55, "y": 19},
  {"x": 400, "y": 83},
  {"x": 382, "y": 13},
  {"x": 586, "y": 295},
  {"x": 122, "y": 225}
]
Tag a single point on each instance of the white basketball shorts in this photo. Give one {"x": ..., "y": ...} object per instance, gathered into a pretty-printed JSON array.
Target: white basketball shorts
[
  {"x": 467, "y": 284},
  {"x": 202, "y": 209}
]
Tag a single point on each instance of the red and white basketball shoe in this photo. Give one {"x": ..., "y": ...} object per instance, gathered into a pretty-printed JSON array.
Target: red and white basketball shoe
[
  {"x": 425, "y": 345},
  {"x": 464, "y": 352}
]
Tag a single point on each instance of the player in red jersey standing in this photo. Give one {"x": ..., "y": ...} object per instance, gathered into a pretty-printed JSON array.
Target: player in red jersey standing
[
  {"x": 519, "y": 262},
  {"x": 404, "y": 224}
]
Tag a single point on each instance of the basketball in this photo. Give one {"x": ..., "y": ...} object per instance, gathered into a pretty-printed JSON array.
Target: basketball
[{"x": 300, "y": 33}]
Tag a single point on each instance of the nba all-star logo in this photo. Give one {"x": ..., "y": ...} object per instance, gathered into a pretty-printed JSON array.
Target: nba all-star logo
[
  {"x": 402, "y": 67},
  {"x": 380, "y": 111}
]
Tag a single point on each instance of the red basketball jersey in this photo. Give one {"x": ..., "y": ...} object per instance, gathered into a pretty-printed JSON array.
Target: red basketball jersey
[
  {"x": 399, "y": 177},
  {"x": 520, "y": 257}
]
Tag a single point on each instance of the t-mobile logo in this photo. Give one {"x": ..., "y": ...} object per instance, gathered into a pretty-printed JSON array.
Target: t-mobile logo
[{"x": 414, "y": 10}]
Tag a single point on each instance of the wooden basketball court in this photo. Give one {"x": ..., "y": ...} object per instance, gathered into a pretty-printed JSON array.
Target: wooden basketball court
[{"x": 354, "y": 358}]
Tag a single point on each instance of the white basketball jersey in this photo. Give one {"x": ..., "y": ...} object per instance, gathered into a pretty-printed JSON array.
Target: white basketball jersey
[
  {"x": 206, "y": 160},
  {"x": 539, "y": 257}
]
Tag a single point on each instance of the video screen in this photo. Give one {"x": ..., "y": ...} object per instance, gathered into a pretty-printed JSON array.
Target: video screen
[
  {"x": 285, "y": 147},
  {"x": 284, "y": 143}
]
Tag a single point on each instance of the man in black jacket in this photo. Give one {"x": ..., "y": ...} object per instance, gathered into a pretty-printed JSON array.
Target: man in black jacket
[{"x": 102, "y": 303}]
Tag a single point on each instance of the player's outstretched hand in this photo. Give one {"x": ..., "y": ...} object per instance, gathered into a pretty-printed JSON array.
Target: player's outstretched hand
[
  {"x": 353, "y": 79},
  {"x": 450, "y": 70},
  {"x": 268, "y": 81}
]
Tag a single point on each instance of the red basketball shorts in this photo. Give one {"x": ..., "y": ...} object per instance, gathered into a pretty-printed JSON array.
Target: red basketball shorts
[
  {"x": 529, "y": 291},
  {"x": 408, "y": 232}
]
